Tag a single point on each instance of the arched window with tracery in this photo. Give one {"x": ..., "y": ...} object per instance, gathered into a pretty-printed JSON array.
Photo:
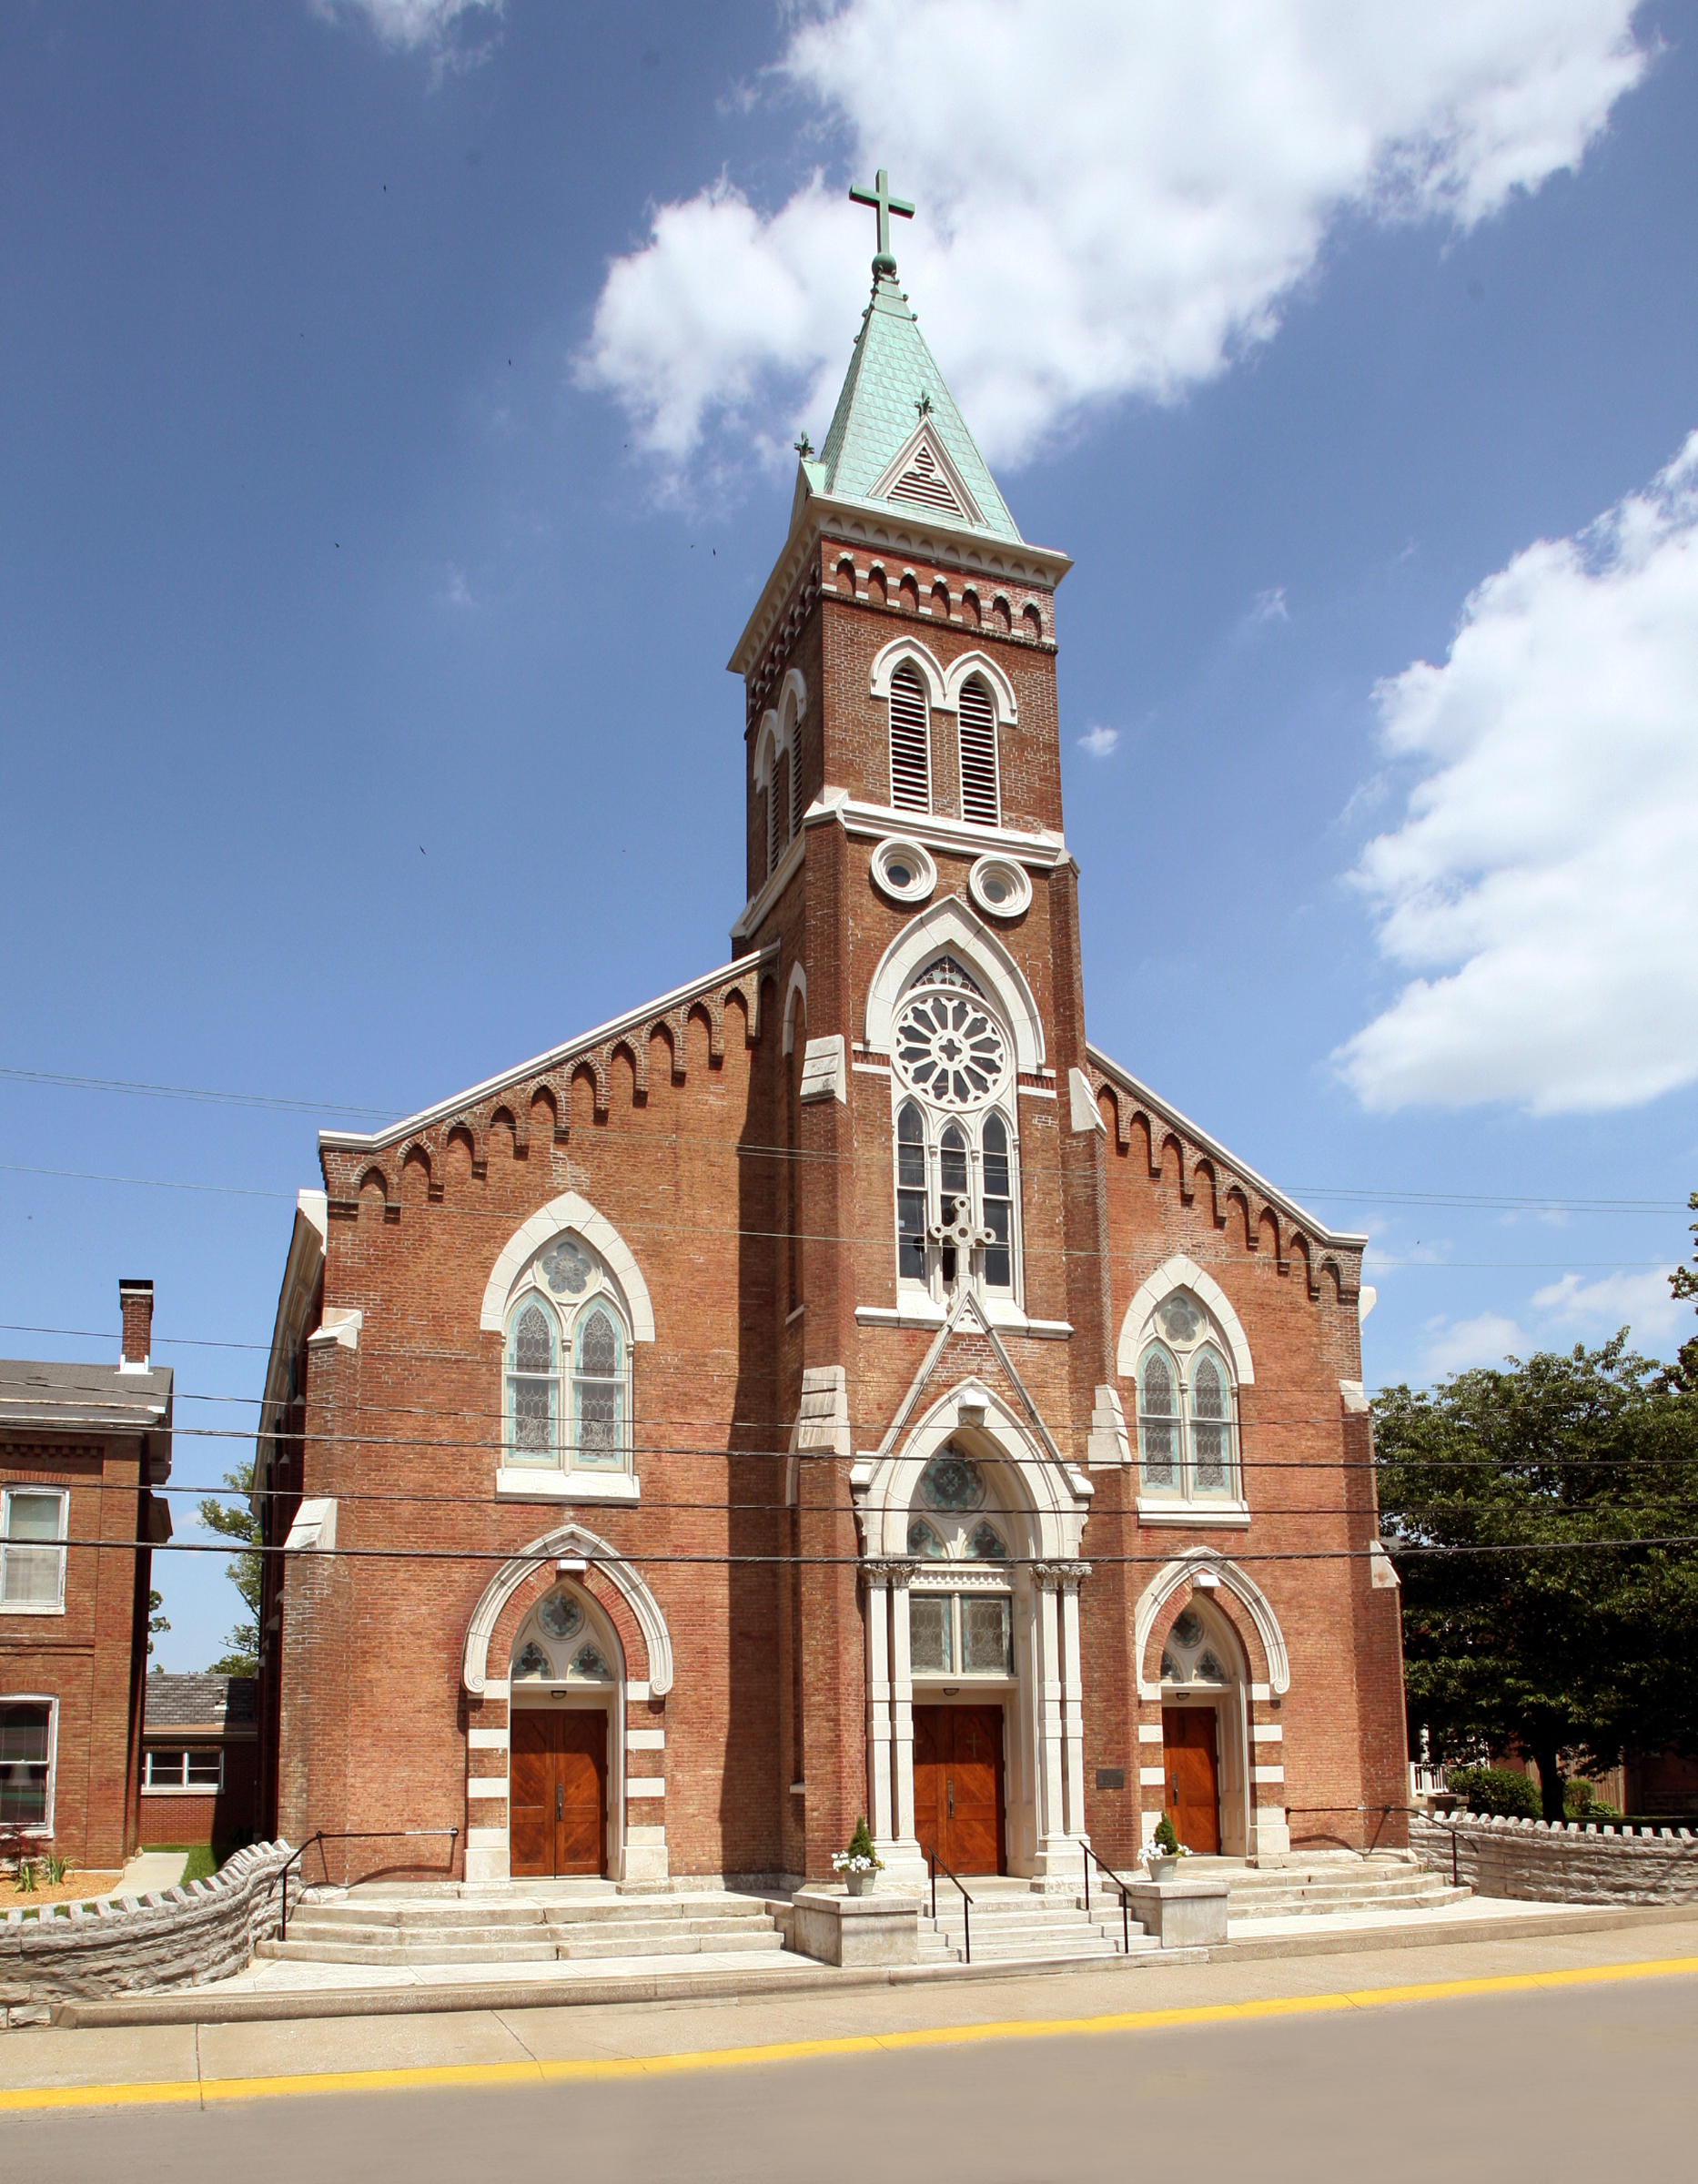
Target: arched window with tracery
[
  {"x": 1187, "y": 1406},
  {"x": 532, "y": 1384},
  {"x": 568, "y": 1365},
  {"x": 957, "y": 1188},
  {"x": 910, "y": 742},
  {"x": 981, "y": 793},
  {"x": 597, "y": 1391}
]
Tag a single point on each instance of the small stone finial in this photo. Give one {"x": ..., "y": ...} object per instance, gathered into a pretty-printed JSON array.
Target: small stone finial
[
  {"x": 879, "y": 196},
  {"x": 805, "y": 447},
  {"x": 923, "y": 403}
]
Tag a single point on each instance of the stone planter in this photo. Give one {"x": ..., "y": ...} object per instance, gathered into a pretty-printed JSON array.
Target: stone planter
[
  {"x": 858, "y": 1884},
  {"x": 1164, "y": 1868},
  {"x": 858, "y": 1928},
  {"x": 1180, "y": 1913}
]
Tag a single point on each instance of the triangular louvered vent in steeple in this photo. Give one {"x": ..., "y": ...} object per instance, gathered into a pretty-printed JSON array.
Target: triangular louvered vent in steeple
[{"x": 924, "y": 482}]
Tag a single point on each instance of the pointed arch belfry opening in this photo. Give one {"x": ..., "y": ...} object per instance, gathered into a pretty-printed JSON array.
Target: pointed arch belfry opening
[{"x": 970, "y": 1526}]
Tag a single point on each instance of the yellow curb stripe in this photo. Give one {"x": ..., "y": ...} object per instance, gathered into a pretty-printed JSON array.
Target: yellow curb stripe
[{"x": 588, "y": 2070}]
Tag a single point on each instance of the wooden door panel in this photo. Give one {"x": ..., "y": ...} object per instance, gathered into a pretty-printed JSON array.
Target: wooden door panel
[
  {"x": 1192, "y": 1768},
  {"x": 530, "y": 1795},
  {"x": 583, "y": 1801},
  {"x": 976, "y": 1778},
  {"x": 928, "y": 1781}
]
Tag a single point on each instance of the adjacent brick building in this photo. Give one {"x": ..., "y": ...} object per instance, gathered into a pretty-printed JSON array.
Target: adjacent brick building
[
  {"x": 82, "y": 1449},
  {"x": 834, "y": 1387},
  {"x": 201, "y": 1760}
]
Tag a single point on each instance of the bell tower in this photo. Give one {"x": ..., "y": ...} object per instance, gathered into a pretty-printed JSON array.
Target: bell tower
[{"x": 909, "y": 886}]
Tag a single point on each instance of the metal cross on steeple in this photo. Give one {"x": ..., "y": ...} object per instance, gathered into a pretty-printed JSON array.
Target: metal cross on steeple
[{"x": 879, "y": 196}]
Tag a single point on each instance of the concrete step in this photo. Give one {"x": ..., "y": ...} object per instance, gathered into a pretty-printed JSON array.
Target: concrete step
[
  {"x": 443, "y": 1952},
  {"x": 704, "y": 1905},
  {"x": 362, "y": 1911},
  {"x": 709, "y": 1941},
  {"x": 638, "y": 1933}
]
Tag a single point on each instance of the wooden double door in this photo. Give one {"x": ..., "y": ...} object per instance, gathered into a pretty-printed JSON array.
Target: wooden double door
[
  {"x": 958, "y": 1786},
  {"x": 556, "y": 1791},
  {"x": 1191, "y": 1763}
]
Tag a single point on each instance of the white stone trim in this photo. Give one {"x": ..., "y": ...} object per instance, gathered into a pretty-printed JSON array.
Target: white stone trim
[
  {"x": 769, "y": 744},
  {"x": 644, "y": 1837},
  {"x": 572, "y": 1541},
  {"x": 1266, "y": 1733},
  {"x": 949, "y": 924},
  {"x": 1152, "y": 1778},
  {"x": 567, "y": 1211},
  {"x": 486, "y": 1838},
  {"x": 646, "y": 1740},
  {"x": 1186, "y": 1568},
  {"x": 1355, "y": 1397},
  {"x": 487, "y": 1787},
  {"x": 1266, "y": 1774},
  {"x": 1182, "y": 1273},
  {"x": 340, "y": 1326},
  {"x": 636, "y": 1690},
  {"x": 645, "y": 1785},
  {"x": 486, "y": 1740},
  {"x": 823, "y": 1073},
  {"x": 314, "y": 1529},
  {"x": 1083, "y": 1112},
  {"x": 1222, "y": 1516},
  {"x": 969, "y": 665},
  {"x": 1149, "y": 1733},
  {"x": 798, "y": 983},
  {"x": 891, "y": 657},
  {"x": 1108, "y": 1444},
  {"x": 527, "y": 1483}
]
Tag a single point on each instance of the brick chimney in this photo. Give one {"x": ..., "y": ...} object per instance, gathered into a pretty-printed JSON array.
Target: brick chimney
[{"x": 136, "y": 1303}]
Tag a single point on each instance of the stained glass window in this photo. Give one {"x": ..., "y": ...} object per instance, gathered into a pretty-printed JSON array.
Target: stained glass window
[
  {"x": 929, "y": 1633},
  {"x": 951, "y": 1049},
  {"x": 1159, "y": 1422},
  {"x": 924, "y": 1540},
  {"x": 533, "y": 1661},
  {"x": 1188, "y": 1629},
  {"x": 1210, "y": 1433},
  {"x": 1209, "y": 1670},
  {"x": 985, "y": 1634},
  {"x": 985, "y": 1545},
  {"x": 531, "y": 1383},
  {"x": 1171, "y": 1671},
  {"x": 561, "y": 1616},
  {"x": 588, "y": 1662},
  {"x": 952, "y": 1481},
  {"x": 910, "y": 1194},
  {"x": 999, "y": 1206},
  {"x": 597, "y": 1394},
  {"x": 567, "y": 1266},
  {"x": 1179, "y": 1318}
]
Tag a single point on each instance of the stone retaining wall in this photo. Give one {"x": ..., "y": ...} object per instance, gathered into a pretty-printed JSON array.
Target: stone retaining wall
[
  {"x": 1572, "y": 1863},
  {"x": 136, "y": 1945}
]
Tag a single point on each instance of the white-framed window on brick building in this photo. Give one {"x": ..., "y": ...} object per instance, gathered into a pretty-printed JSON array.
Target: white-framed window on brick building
[
  {"x": 29, "y": 1725},
  {"x": 1187, "y": 1409},
  {"x": 199, "y": 1767},
  {"x": 568, "y": 1367},
  {"x": 33, "y": 1522}
]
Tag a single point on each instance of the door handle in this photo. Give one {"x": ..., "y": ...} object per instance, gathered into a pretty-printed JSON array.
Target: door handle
[
  {"x": 949, "y": 1796},
  {"x": 1173, "y": 1790},
  {"x": 560, "y": 1800}
]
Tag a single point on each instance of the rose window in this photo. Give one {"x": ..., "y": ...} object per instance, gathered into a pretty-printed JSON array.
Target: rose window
[{"x": 950, "y": 1049}]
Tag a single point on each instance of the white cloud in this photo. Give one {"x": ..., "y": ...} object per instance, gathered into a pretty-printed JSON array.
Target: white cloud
[
  {"x": 1099, "y": 741},
  {"x": 1639, "y": 1300},
  {"x": 456, "y": 590},
  {"x": 1457, "y": 1345},
  {"x": 1268, "y": 606},
  {"x": 1543, "y": 885},
  {"x": 411, "y": 25},
  {"x": 1113, "y": 200}
]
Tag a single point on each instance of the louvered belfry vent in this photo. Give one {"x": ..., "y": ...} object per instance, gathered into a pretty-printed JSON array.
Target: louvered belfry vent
[
  {"x": 910, "y": 742},
  {"x": 924, "y": 482},
  {"x": 980, "y": 800}
]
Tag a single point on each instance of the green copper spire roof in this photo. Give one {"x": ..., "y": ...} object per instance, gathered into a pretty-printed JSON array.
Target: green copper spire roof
[{"x": 896, "y": 435}]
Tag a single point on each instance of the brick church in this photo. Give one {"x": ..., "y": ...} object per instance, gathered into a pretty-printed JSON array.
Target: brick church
[{"x": 834, "y": 1387}]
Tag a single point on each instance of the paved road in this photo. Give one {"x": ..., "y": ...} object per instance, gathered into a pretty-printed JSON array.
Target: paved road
[{"x": 1594, "y": 2076}]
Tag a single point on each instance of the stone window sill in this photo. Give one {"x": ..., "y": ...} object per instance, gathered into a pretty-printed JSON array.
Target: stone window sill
[
  {"x": 519, "y": 1483},
  {"x": 1234, "y": 1515}
]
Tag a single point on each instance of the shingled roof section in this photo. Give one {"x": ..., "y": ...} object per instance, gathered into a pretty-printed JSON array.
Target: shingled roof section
[{"x": 197, "y": 1701}]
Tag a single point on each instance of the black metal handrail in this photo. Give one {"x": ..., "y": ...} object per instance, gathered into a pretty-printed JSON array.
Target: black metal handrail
[
  {"x": 1384, "y": 1810},
  {"x": 967, "y": 1915},
  {"x": 1126, "y": 1916},
  {"x": 377, "y": 1834}
]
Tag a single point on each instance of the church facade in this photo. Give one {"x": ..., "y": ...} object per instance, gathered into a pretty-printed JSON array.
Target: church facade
[{"x": 834, "y": 1388}]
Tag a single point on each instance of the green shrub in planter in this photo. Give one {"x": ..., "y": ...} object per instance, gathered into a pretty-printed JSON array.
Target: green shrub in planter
[
  {"x": 1497, "y": 1791},
  {"x": 1165, "y": 1840}
]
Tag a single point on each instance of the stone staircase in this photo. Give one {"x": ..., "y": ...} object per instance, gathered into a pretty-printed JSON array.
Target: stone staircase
[
  {"x": 1332, "y": 1882},
  {"x": 1011, "y": 1924},
  {"x": 399, "y": 1929}
]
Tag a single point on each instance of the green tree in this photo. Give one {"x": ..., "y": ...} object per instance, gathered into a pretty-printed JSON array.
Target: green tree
[
  {"x": 1571, "y": 1645},
  {"x": 1683, "y": 1282},
  {"x": 156, "y": 1622},
  {"x": 232, "y": 1518}
]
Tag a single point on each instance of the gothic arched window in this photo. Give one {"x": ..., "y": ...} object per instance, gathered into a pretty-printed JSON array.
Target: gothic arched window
[
  {"x": 910, "y": 1194},
  {"x": 910, "y": 742},
  {"x": 999, "y": 1206},
  {"x": 1187, "y": 1406},
  {"x": 981, "y": 799},
  {"x": 531, "y": 1383},
  {"x": 597, "y": 1391},
  {"x": 1211, "y": 1425},
  {"x": 1158, "y": 1420}
]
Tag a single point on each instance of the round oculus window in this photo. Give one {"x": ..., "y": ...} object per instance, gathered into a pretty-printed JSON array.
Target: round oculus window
[
  {"x": 561, "y": 1616},
  {"x": 950, "y": 1049},
  {"x": 1179, "y": 1319},
  {"x": 903, "y": 871},
  {"x": 999, "y": 887}
]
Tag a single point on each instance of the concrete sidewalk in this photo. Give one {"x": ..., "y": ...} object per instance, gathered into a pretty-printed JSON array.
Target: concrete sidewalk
[{"x": 172, "y": 2061}]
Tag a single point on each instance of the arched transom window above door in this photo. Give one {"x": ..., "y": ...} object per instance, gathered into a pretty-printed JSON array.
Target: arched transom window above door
[
  {"x": 956, "y": 1143},
  {"x": 1196, "y": 1654},
  {"x": 565, "y": 1640},
  {"x": 1187, "y": 1410},
  {"x": 567, "y": 1376},
  {"x": 960, "y": 1599}
]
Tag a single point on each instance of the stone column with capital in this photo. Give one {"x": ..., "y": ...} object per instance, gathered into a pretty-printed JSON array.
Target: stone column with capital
[
  {"x": 892, "y": 1820},
  {"x": 1059, "y": 1863}
]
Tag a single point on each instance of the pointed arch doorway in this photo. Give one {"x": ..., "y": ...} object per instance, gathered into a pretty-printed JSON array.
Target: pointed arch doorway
[{"x": 565, "y": 1683}]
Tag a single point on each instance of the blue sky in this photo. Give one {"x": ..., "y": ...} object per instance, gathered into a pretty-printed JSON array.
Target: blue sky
[{"x": 398, "y": 400}]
